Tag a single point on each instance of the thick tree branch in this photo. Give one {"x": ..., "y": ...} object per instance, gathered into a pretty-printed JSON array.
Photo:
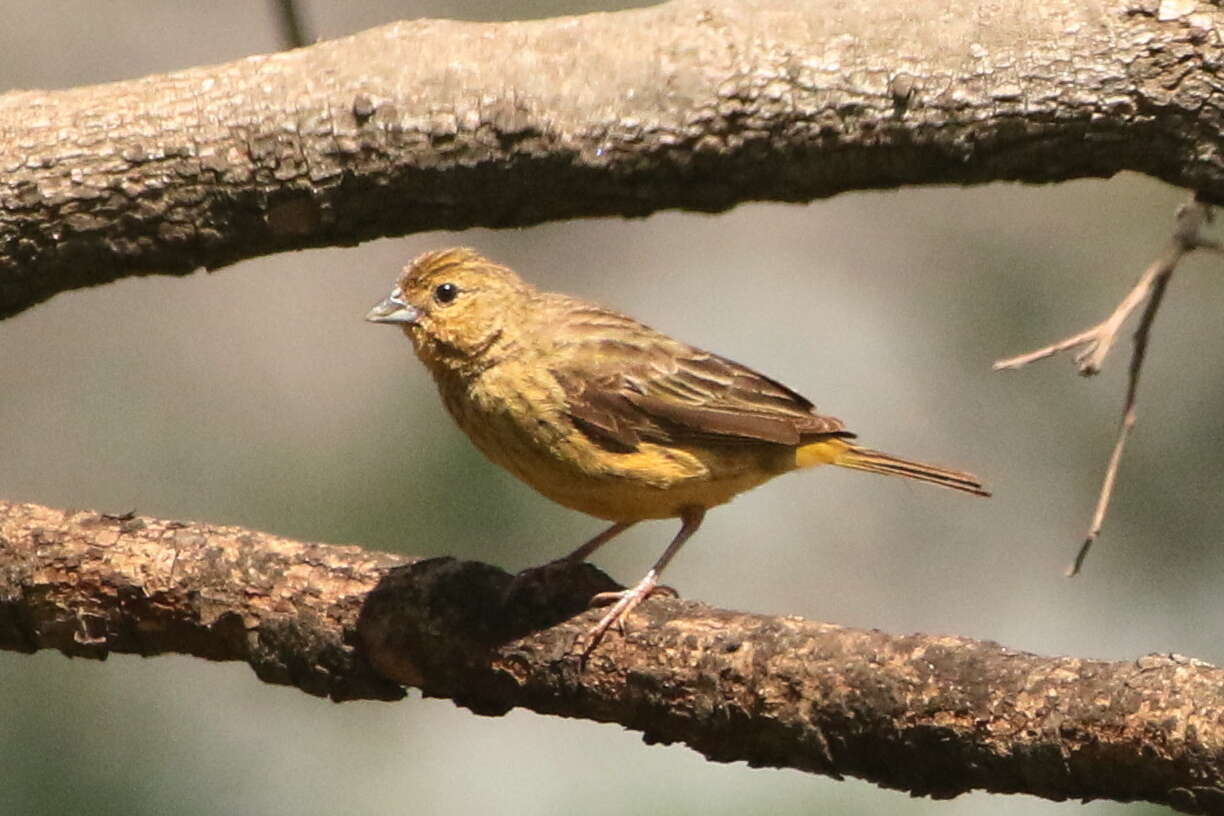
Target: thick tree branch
[
  {"x": 936, "y": 716},
  {"x": 699, "y": 104},
  {"x": 89, "y": 584}
]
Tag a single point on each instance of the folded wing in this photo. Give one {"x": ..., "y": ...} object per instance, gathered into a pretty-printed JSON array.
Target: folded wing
[{"x": 626, "y": 383}]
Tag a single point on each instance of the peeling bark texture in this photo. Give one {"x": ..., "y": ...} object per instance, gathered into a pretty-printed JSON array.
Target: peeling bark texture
[
  {"x": 89, "y": 584},
  {"x": 695, "y": 104},
  {"x": 933, "y": 715}
]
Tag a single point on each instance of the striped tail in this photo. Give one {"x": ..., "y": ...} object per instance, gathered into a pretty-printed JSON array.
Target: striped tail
[{"x": 843, "y": 454}]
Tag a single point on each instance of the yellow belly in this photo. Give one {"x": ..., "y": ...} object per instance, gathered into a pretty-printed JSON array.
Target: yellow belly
[
  {"x": 653, "y": 482},
  {"x": 541, "y": 446}
]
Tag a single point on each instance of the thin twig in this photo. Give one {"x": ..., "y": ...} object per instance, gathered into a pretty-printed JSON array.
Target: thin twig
[
  {"x": 293, "y": 30},
  {"x": 1096, "y": 342},
  {"x": 1142, "y": 332}
]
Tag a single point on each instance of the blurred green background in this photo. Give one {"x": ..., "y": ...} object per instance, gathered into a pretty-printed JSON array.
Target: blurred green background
[{"x": 257, "y": 396}]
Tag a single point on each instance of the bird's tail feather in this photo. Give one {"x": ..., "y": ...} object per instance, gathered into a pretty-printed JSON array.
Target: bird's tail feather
[{"x": 843, "y": 454}]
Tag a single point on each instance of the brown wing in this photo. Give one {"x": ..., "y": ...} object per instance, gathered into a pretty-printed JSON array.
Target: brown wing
[{"x": 625, "y": 383}]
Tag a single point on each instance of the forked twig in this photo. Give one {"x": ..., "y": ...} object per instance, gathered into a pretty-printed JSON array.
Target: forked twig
[
  {"x": 1159, "y": 284},
  {"x": 1095, "y": 343}
]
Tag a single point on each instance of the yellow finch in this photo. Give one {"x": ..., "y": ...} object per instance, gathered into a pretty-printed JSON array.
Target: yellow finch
[{"x": 605, "y": 415}]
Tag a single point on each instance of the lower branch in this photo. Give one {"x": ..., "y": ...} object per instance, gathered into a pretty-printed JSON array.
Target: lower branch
[{"x": 932, "y": 715}]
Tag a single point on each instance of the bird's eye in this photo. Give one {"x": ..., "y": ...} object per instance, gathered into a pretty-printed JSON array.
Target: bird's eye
[{"x": 446, "y": 292}]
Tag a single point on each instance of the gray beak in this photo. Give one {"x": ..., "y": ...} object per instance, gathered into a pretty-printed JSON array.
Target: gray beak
[{"x": 393, "y": 309}]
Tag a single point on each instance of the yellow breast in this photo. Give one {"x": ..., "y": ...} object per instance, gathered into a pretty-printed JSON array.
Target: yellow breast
[{"x": 517, "y": 418}]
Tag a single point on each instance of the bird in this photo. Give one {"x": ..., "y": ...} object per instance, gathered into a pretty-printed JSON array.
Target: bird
[{"x": 607, "y": 416}]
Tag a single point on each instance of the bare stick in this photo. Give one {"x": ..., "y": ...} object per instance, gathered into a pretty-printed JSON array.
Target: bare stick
[
  {"x": 292, "y": 29},
  {"x": 1095, "y": 343},
  {"x": 1142, "y": 332}
]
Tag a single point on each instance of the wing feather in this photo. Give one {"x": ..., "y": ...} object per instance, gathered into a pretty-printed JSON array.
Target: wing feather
[{"x": 625, "y": 383}]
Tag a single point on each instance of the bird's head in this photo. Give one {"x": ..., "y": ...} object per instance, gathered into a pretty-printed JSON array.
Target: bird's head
[{"x": 454, "y": 305}]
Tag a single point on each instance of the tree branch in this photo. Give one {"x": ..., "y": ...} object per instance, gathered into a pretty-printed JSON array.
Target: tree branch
[
  {"x": 697, "y": 104},
  {"x": 933, "y": 715}
]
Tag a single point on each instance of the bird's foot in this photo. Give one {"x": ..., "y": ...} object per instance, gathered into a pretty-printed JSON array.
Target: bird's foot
[
  {"x": 623, "y": 603},
  {"x": 606, "y": 598}
]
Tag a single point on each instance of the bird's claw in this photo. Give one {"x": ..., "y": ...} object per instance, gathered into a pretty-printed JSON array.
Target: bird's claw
[
  {"x": 606, "y": 598},
  {"x": 623, "y": 603}
]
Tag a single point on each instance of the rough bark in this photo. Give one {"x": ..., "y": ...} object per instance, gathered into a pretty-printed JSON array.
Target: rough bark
[
  {"x": 697, "y": 104},
  {"x": 933, "y": 715}
]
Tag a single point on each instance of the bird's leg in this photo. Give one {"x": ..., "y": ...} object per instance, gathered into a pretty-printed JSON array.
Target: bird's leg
[
  {"x": 586, "y": 550},
  {"x": 628, "y": 599},
  {"x": 531, "y": 575}
]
